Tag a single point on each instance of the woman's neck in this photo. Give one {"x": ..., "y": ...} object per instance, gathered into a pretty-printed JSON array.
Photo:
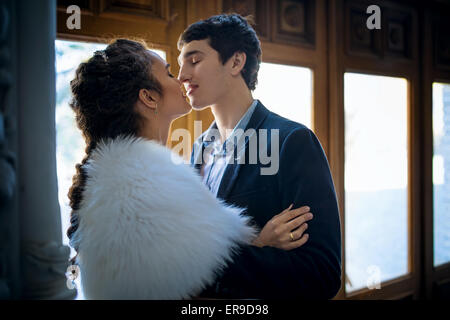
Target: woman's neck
[{"x": 156, "y": 130}]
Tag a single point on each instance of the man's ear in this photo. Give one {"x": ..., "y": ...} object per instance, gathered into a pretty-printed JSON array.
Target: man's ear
[
  {"x": 238, "y": 62},
  {"x": 148, "y": 98}
]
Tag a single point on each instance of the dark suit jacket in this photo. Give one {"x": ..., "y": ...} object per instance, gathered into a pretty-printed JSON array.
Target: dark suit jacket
[{"x": 303, "y": 178}]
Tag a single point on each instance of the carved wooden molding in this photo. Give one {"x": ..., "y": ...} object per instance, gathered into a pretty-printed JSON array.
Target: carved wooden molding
[
  {"x": 441, "y": 42},
  {"x": 44, "y": 266},
  {"x": 359, "y": 40},
  {"x": 398, "y": 33},
  {"x": 258, "y": 9},
  {"x": 279, "y": 21},
  {"x": 121, "y": 9},
  {"x": 153, "y": 9},
  {"x": 393, "y": 40},
  {"x": 294, "y": 22},
  {"x": 88, "y": 7}
]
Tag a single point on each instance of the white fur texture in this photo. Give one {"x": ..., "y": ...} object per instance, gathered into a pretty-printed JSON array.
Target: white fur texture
[{"x": 150, "y": 229}]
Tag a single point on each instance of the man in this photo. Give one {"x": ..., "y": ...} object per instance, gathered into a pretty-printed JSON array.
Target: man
[{"x": 219, "y": 63}]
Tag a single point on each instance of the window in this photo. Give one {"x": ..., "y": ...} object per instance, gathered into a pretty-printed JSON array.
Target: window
[
  {"x": 376, "y": 179},
  {"x": 441, "y": 172},
  {"x": 69, "y": 142},
  {"x": 286, "y": 90}
]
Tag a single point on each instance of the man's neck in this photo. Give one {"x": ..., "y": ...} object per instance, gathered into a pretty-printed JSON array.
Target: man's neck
[{"x": 230, "y": 110}]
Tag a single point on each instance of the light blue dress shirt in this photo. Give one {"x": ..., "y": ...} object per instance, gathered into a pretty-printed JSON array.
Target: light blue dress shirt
[{"x": 218, "y": 158}]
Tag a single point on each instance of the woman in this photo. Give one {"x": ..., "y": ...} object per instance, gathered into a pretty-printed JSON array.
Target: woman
[{"x": 144, "y": 227}]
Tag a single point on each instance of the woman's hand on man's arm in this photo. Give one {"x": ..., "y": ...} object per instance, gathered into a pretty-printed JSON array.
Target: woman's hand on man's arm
[{"x": 286, "y": 229}]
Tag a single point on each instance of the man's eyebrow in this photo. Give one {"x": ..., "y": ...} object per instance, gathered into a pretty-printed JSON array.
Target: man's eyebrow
[{"x": 188, "y": 54}]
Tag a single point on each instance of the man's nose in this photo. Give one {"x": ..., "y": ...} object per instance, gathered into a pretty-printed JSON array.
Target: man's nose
[{"x": 183, "y": 75}]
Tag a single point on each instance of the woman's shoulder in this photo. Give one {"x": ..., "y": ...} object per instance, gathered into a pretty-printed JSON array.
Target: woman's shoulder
[
  {"x": 141, "y": 213},
  {"x": 126, "y": 148},
  {"x": 128, "y": 156},
  {"x": 130, "y": 171}
]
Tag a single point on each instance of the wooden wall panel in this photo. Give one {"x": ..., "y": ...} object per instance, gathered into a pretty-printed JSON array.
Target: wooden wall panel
[
  {"x": 392, "y": 50},
  {"x": 259, "y": 10},
  {"x": 124, "y": 9},
  {"x": 100, "y": 23},
  {"x": 398, "y": 35},
  {"x": 359, "y": 40},
  {"x": 435, "y": 68},
  {"x": 441, "y": 42},
  {"x": 290, "y": 22},
  {"x": 395, "y": 39},
  {"x": 85, "y": 5},
  {"x": 293, "y": 22}
]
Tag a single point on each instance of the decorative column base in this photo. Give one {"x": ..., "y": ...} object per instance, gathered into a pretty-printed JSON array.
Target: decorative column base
[{"x": 43, "y": 271}]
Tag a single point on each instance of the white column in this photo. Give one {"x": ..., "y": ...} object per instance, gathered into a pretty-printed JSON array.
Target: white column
[{"x": 44, "y": 258}]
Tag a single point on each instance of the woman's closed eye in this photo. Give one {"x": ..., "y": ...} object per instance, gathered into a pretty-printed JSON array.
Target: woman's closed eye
[{"x": 168, "y": 71}]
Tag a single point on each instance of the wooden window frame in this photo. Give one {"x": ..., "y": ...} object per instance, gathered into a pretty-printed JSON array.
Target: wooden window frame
[
  {"x": 340, "y": 61},
  {"x": 434, "y": 277},
  {"x": 314, "y": 59}
]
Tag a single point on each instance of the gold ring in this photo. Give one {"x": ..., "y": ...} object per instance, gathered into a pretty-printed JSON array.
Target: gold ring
[{"x": 292, "y": 237}]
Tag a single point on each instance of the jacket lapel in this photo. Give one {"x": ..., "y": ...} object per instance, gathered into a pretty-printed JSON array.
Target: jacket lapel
[
  {"x": 232, "y": 170},
  {"x": 196, "y": 160},
  {"x": 198, "y": 150}
]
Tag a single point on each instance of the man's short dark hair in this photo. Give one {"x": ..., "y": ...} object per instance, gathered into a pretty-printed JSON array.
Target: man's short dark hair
[{"x": 228, "y": 34}]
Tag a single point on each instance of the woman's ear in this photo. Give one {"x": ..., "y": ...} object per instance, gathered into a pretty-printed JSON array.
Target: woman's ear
[
  {"x": 238, "y": 62},
  {"x": 148, "y": 98}
]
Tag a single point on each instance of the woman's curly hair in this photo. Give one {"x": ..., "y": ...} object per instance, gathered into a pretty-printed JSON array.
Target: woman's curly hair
[{"x": 105, "y": 90}]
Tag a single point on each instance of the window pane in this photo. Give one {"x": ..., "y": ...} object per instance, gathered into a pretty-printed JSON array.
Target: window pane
[
  {"x": 441, "y": 172},
  {"x": 286, "y": 90},
  {"x": 376, "y": 178},
  {"x": 69, "y": 142}
]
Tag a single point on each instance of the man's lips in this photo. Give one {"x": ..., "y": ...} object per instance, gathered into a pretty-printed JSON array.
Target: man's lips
[{"x": 190, "y": 89}]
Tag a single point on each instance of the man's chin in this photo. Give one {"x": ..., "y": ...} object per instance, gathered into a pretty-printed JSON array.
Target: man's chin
[{"x": 199, "y": 107}]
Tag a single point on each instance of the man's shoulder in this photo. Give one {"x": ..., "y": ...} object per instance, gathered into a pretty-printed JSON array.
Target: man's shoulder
[
  {"x": 271, "y": 121},
  {"x": 285, "y": 126}
]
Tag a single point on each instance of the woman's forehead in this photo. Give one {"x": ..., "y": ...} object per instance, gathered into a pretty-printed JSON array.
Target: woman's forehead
[
  {"x": 156, "y": 59},
  {"x": 155, "y": 56}
]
